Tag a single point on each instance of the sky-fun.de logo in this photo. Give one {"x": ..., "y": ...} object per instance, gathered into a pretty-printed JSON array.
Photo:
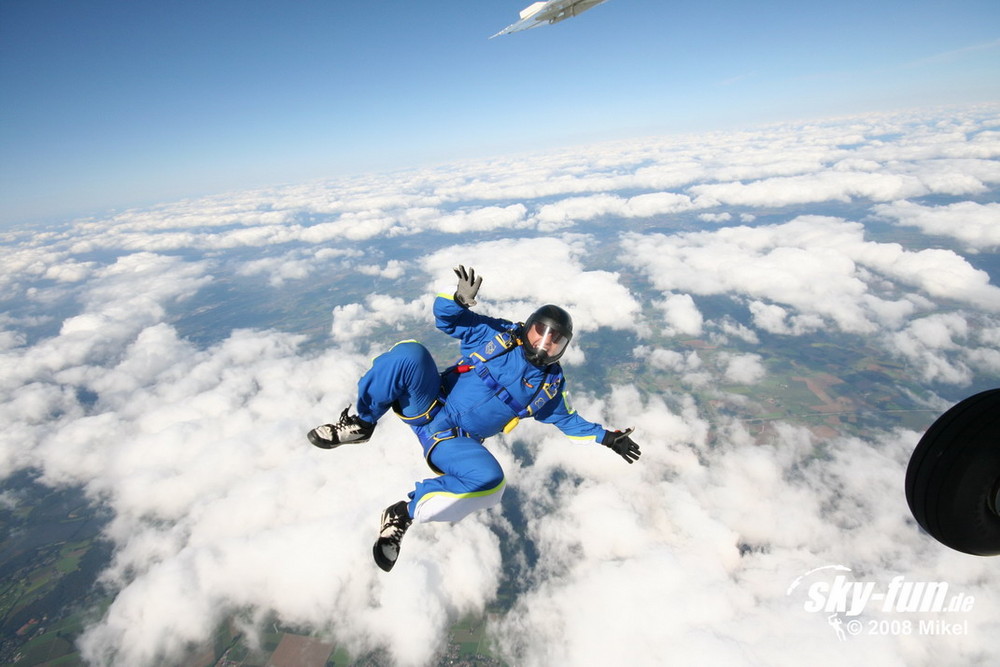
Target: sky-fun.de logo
[{"x": 897, "y": 607}]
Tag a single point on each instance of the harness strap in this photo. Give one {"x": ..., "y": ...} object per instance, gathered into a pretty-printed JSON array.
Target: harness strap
[
  {"x": 423, "y": 418},
  {"x": 430, "y": 440},
  {"x": 538, "y": 400},
  {"x": 507, "y": 342},
  {"x": 502, "y": 343}
]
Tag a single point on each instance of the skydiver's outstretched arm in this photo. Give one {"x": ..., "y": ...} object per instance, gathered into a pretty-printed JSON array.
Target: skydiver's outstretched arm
[
  {"x": 454, "y": 317},
  {"x": 566, "y": 419}
]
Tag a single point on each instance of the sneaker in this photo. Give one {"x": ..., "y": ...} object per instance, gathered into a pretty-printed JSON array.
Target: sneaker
[
  {"x": 395, "y": 520},
  {"x": 348, "y": 429}
]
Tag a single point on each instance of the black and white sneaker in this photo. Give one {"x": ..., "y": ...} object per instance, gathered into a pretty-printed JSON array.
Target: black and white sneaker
[
  {"x": 395, "y": 520},
  {"x": 349, "y": 429}
]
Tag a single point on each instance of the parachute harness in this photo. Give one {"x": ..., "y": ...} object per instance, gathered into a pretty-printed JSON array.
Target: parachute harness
[{"x": 501, "y": 344}]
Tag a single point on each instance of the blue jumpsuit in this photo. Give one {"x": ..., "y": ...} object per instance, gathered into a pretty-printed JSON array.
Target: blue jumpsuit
[{"x": 452, "y": 414}]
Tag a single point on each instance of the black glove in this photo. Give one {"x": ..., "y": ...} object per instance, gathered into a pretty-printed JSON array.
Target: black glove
[
  {"x": 622, "y": 445},
  {"x": 468, "y": 286}
]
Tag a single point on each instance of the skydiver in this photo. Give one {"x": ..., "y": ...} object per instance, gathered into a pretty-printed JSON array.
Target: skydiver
[{"x": 508, "y": 372}]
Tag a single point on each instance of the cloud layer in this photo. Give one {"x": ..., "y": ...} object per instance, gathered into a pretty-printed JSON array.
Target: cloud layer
[{"x": 170, "y": 360}]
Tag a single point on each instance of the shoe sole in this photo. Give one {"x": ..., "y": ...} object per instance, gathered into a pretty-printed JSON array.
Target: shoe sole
[
  {"x": 322, "y": 443},
  {"x": 384, "y": 563},
  {"x": 380, "y": 559}
]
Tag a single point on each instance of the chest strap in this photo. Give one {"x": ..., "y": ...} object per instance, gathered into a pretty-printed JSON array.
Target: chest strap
[
  {"x": 548, "y": 390},
  {"x": 499, "y": 345}
]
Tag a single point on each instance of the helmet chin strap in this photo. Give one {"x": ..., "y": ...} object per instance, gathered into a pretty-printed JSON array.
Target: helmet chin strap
[{"x": 540, "y": 358}]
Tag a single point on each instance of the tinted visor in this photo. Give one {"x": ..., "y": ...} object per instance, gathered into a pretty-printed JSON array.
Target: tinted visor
[{"x": 546, "y": 342}]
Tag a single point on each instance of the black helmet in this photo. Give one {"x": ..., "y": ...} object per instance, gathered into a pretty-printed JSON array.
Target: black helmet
[{"x": 546, "y": 335}]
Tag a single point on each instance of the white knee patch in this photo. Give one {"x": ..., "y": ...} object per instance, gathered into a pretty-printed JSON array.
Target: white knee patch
[{"x": 444, "y": 506}]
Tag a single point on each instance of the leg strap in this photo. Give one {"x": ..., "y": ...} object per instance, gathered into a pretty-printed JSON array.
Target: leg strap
[{"x": 430, "y": 439}]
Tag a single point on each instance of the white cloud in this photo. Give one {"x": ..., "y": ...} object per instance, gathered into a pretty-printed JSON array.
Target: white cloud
[
  {"x": 821, "y": 268},
  {"x": 688, "y": 366},
  {"x": 743, "y": 368},
  {"x": 768, "y": 262},
  {"x": 681, "y": 315},
  {"x": 772, "y": 318},
  {"x": 355, "y": 323},
  {"x": 812, "y": 188},
  {"x": 393, "y": 269},
  {"x": 291, "y": 266},
  {"x": 977, "y": 225},
  {"x": 478, "y": 219},
  {"x": 930, "y": 344},
  {"x": 120, "y": 300},
  {"x": 729, "y": 328},
  {"x": 300, "y": 264},
  {"x": 566, "y": 212},
  {"x": 27, "y": 263}
]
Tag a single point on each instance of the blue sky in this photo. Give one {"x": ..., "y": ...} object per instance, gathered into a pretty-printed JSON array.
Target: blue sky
[{"x": 107, "y": 105}]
